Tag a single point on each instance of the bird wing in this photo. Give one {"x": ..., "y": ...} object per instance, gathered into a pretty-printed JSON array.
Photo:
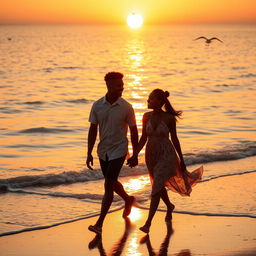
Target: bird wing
[
  {"x": 215, "y": 38},
  {"x": 201, "y": 37}
]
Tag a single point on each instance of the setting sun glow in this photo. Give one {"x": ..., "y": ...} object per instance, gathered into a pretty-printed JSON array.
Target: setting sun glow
[
  {"x": 134, "y": 20},
  {"x": 115, "y": 12}
]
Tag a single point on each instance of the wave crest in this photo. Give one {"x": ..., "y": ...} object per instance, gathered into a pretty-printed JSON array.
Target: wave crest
[
  {"x": 50, "y": 179},
  {"x": 85, "y": 101},
  {"x": 45, "y": 130}
]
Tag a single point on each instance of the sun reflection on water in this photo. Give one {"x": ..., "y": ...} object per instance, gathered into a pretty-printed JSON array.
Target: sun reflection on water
[
  {"x": 134, "y": 185},
  {"x": 135, "y": 214},
  {"x": 135, "y": 91},
  {"x": 136, "y": 77}
]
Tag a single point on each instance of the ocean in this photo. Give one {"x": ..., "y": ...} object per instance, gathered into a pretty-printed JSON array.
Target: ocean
[{"x": 50, "y": 77}]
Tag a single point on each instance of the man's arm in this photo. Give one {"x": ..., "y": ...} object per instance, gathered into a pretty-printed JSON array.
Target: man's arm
[
  {"x": 134, "y": 137},
  {"x": 92, "y": 135},
  {"x": 134, "y": 141}
]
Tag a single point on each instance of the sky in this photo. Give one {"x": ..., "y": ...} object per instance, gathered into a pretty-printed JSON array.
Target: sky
[{"x": 116, "y": 11}]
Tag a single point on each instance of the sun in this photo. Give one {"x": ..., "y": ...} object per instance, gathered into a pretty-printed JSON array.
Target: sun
[{"x": 134, "y": 20}]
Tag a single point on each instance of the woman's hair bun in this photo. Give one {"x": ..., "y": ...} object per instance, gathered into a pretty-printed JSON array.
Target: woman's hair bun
[{"x": 166, "y": 94}]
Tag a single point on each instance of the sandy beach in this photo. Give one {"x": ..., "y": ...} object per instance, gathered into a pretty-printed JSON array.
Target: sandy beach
[{"x": 187, "y": 235}]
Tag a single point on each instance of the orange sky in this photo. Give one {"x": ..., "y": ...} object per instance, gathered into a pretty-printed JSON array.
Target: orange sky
[{"x": 115, "y": 11}]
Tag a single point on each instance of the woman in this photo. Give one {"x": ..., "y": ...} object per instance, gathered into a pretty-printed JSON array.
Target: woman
[{"x": 164, "y": 157}]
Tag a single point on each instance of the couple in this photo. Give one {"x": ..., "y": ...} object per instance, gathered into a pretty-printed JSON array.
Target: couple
[{"x": 164, "y": 157}]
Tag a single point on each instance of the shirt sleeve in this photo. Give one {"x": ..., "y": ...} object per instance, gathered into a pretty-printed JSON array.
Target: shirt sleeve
[
  {"x": 131, "y": 120},
  {"x": 93, "y": 117}
]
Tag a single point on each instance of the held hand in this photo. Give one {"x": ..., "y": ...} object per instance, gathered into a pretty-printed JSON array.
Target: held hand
[
  {"x": 132, "y": 161},
  {"x": 89, "y": 162}
]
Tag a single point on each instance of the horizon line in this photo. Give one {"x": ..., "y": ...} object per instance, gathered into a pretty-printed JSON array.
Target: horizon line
[{"x": 123, "y": 23}]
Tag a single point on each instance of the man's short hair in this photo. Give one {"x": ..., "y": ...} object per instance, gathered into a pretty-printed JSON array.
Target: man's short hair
[{"x": 113, "y": 75}]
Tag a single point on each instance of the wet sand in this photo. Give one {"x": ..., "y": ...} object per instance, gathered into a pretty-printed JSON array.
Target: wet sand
[{"x": 187, "y": 235}]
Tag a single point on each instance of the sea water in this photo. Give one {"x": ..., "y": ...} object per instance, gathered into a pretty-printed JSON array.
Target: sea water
[{"x": 50, "y": 77}]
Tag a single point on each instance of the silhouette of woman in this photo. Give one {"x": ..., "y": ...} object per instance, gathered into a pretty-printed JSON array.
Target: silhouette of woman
[{"x": 164, "y": 157}]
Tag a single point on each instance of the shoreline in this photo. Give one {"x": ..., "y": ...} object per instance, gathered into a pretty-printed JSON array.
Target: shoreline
[
  {"x": 207, "y": 200},
  {"x": 120, "y": 208},
  {"x": 188, "y": 235}
]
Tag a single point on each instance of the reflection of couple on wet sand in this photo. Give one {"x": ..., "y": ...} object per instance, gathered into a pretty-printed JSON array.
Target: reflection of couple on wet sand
[
  {"x": 165, "y": 244},
  {"x": 164, "y": 159},
  {"x": 117, "y": 249}
]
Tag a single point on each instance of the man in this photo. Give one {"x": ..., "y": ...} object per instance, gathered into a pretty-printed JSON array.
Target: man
[{"x": 113, "y": 115}]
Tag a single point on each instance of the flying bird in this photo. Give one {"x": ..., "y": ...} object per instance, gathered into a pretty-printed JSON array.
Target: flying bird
[{"x": 208, "y": 40}]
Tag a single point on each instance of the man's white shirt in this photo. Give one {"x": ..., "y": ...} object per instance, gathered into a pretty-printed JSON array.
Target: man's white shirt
[{"x": 113, "y": 121}]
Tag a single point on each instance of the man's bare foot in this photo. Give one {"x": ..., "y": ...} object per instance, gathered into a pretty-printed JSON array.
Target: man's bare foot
[
  {"x": 95, "y": 229},
  {"x": 128, "y": 206}
]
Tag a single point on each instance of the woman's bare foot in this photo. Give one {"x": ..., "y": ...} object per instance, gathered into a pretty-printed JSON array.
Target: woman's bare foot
[
  {"x": 168, "y": 217},
  {"x": 95, "y": 229},
  {"x": 145, "y": 229}
]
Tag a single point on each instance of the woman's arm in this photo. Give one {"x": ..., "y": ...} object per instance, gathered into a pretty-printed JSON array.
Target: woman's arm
[
  {"x": 143, "y": 139},
  {"x": 176, "y": 142},
  {"x": 144, "y": 136}
]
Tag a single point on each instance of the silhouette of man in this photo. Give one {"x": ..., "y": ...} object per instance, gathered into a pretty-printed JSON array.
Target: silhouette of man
[{"x": 113, "y": 115}]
